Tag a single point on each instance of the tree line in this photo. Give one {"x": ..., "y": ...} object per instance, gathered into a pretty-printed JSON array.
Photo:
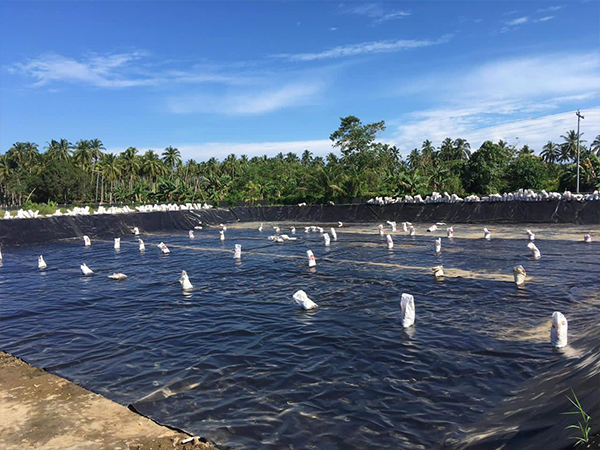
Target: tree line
[{"x": 85, "y": 172}]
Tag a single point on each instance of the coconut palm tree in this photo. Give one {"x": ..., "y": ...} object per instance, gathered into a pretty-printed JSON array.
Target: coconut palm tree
[
  {"x": 83, "y": 155},
  {"x": 111, "y": 170},
  {"x": 462, "y": 149},
  {"x": 59, "y": 150},
  {"x": 550, "y": 152},
  {"x": 568, "y": 149},
  {"x": 596, "y": 145},
  {"x": 130, "y": 164},
  {"x": 152, "y": 167},
  {"x": 171, "y": 158}
]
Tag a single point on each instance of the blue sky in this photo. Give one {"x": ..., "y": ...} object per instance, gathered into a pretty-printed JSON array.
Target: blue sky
[{"x": 215, "y": 78}]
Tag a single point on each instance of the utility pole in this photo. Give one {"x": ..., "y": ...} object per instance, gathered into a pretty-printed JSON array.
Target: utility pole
[{"x": 579, "y": 117}]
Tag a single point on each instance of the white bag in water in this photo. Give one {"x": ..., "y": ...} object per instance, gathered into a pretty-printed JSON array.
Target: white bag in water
[
  {"x": 312, "y": 262},
  {"x": 222, "y": 235},
  {"x": 237, "y": 254},
  {"x": 333, "y": 234},
  {"x": 320, "y": 230},
  {"x": 118, "y": 276},
  {"x": 186, "y": 285},
  {"x": 86, "y": 241},
  {"x": 0, "y": 254},
  {"x": 390, "y": 241},
  {"x": 438, "y": 271},
  {"x": 117, "y": 243},
  {"x": 340, "y": 224},
  {"x": 412, "y": 231},
  {"x": 530, "y": 235},
  {"x": 260, "y": 228},
  {"x": 559, "y": 330},
  {"x": 142, "y": 246},
  {"x": 293, "y": 230},
  {"x": 326, "y": 239},
  {"x": 302, "y": 300},
  {"x": 450, "y": 232},
  {"x": 486, "y": 234},
  {"x": 85, "y": 269},
  {"x": 407, "y": 310},
  {"x": 587, "y": 239},
  {"x": 520, "y": 274},
  {"x": 381, "y": 233},
  {"x": 536, "y": 252},
  {"x": 306, "y": 229},
  {"x": 277, "y": 229},
  {"x": 393, "y": 225},
  {"x": 432, "y": 228},
  {"x": 438, "y": 245},
  {"x": 163, "y": 248},
  {"x": 404, "y": 227},
  {"x": 136, "y": 231},
  {"x": 223, "y": 227},
  {"x": 191, "y": 234},
  {"x": 41, "y": 263}
]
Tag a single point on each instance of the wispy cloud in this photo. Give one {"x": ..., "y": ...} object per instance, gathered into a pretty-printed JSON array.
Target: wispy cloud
[
  {"x": 510, "y": 13},
  {"x": 343, "y": 51},
  {"x": 373, "y": 11},
  {"x": 550, "y": 9},
  {"x": 248, "y": 103},
  {"x": 545, "y": 19},
  {"x": 518, "y": 21},
  {"x": 525, "y": 90},
  {"x": 113, "y": 71}
]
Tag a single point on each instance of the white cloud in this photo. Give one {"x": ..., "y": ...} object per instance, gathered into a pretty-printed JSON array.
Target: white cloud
[
  {"x": 517, "y": 21},
  {"x": 375, "y": 12},
  {"x": 364, "y": 48},
  {"x": 248, "y": 103},
  {"x": 503, "y": 99},
  {"x": 551, "y": 9},
  {"x": 545, "y": 19},
  {"x": 510, "y": 13}
]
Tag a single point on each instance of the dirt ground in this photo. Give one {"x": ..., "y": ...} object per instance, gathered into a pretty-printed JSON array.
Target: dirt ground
[{"x": 39, "y": 410}]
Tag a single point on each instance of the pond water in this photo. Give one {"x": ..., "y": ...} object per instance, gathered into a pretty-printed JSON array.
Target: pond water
[{"x": 234, "y": 361}]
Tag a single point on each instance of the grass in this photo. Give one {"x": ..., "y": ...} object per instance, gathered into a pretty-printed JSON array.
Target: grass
[{"x": 583, "y": 425}]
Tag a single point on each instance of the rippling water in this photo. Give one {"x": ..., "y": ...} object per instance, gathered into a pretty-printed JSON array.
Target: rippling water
[{"x": 235, "y": 362}]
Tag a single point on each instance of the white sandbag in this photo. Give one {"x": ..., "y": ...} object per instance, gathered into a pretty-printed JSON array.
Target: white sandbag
[
  {"x": 118, "y": 276},
  {"x": 0, "y": 254},
  {"x": 438, "y": 271},
  {"x": 237, "y": 254},
  {"x": 340, "y": 224},
  {"x": 536, "y": 252},
  {"x": 486, "y": 234},
  {"x": 392, "y": 225},
  {"x": 277, "y": 229},
  {"x": 559, "y": 331},
  {"x": 85, "y": 269},
  {"x": 222, "y": 235},
  {"x": 390, "y": 241},
  {"x": 530, "y": 235},
  {"x": 587, "y": 239},
  {"x": 186, "y": 285},
  {"x": 86, "y": 241},
  {"x": 293, "y": 230},
  {"x": 142, "y": 245},
  {"x": 136, "y": 231},
  {"x": 306, "y": 229},
  {"x": 407, "y": 310},
  {"x": 412, "y": 231},
  {"x": 438, "y": 245},
  {"x": 163, "y": 248},
  {"x": 260, "y": 228},
  {"x": 191, "y": 234},
  {"x": 223, "y": 227},
  {"x": 41, "y": 263},
  {"x": 326, "y": 240},
  {"x": 519, "y": 274},
  {"x": 320, "y": 230},
  {"x": 302, "y": 300},
  {"x": 312, "y": 262},
  {"x": 432, "y": 228},
  {"x": 404, "y": 227},
  {"x": 450, "y": 232},
  {"x": 333, "y": 234},
  {"x": 117, "y": 243},
  {"x": 381, "y": 233}
]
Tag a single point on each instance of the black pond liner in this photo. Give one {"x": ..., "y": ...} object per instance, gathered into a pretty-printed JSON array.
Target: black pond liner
[{"x": 235, "y": 362}]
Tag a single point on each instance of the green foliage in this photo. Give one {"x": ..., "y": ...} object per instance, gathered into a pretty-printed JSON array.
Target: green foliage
[
  {"x": 583, "y": 425},
  {"x": 528, "y": 172}
]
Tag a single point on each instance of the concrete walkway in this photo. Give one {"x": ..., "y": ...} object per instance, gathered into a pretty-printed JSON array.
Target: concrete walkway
[{"x": 39, "y": 410}]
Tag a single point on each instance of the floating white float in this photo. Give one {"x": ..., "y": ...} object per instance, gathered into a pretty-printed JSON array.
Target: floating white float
[
  {"x": 407, "y": 310},
  {"x": 333, "y": 234},
  {"x": 222, "y": 235},
  {"x": 86, "y": 270},
  {"x": 393, "y": 225},
  {"x": 438, "y": 271},
  {"x": 405, "y": 227},
  {"x": 412, "y": 231},
  {"x": 312, "y": 262},
  {"x": 260, "y": 227},
  {"x": 118, "y": 276},
  {"x": 142, "y": 245},
  {"x": 86, "y": 241},
  {"x": 0, "y": 254},
  {"x": 186, "y": 285},
  {"x": 41, "y": 263},
  {"x": 381, "y": 233},
  {"x": 277, "y": 229},
  {"x": 326, "y": 239},
  {"x": 237, "y": 254},
  {"x": 390, "y": 241},
  {"x": 432, "y": 228},
  {"x": 438, "y": 245},
  {"x": 486, "y": 234},
  {"x": 519, "y": 274},
  {"x": 136, "y": 231},
  {"x": 536, "y": 252},
  {"x": 559, "y": 330},
  {"x": 117, "y": 243},
  {"x": 450, "y": 232},
  {"x": 293, "y": 230},
  {"x": 302, "y": 300},
  {"x": 191, "y": 234},
  {"x": 163, "y": 248},
  {"x": 340, "y": 224},
  {"x": 587, "y": 239},
  {"x": 530, "y": 235}
]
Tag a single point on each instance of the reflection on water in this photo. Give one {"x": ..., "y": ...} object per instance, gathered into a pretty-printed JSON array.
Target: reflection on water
[{"x": 233, "y": 360}]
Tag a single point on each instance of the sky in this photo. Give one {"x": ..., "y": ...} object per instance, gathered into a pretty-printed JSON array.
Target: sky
[{"x": 215, "y": 78}]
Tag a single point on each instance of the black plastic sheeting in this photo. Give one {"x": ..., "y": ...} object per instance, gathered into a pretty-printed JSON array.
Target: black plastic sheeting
[{"x": 34, "y": 231}]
